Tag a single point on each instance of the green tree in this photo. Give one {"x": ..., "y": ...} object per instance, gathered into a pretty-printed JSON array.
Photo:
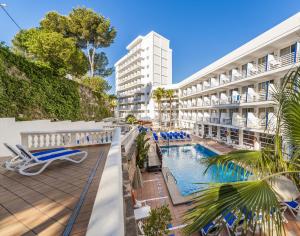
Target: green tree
[
  {"x": 130, "y": 119},
  {"x": 170, "y": 94},
  {"x": 92, "y": 31},
  {"x": 101, "y": 65},
  {"x": 113, "y": 102},
  {"x": 158, "y": 95},
  {"x": 96, "y": 83},
  {"x": 52, "y": 50},
  {"x": 54, "y": 22},
  {"x": 156, "y": 224},
  {"x": 258, "y": 196}
]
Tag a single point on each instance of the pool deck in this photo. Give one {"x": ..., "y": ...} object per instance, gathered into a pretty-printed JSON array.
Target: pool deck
[
  {"x": 43, "y": 204},
  {"x": 156, "y": 193}
]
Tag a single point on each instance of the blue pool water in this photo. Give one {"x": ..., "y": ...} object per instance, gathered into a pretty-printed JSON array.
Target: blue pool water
[{"x": 184, "y": 163}]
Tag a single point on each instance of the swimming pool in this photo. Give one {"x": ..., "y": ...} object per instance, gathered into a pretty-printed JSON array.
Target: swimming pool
[{"x": 184, "y": 163}]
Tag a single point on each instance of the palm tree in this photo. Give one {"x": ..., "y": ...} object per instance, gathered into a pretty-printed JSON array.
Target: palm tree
[
  {"x": 142, "y": 147},
  {"x": 170, "y": 94},
  {"x": 258, "y": 195},
  {"x": 158, "y": 95}
]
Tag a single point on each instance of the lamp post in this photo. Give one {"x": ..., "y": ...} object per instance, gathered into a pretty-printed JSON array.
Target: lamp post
[{"x": 3, "y": 5}]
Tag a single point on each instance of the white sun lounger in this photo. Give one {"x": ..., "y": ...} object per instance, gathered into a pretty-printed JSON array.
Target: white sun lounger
[
  {"x": 44, "y": 158},
  {"x": 19, "y": 158}
]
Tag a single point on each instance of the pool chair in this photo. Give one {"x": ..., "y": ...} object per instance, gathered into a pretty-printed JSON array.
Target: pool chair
[
  {"x": 293, "y": 206},
  {"x": 155, "y": 138},
  {"x": 19, "y": 158},
  {"x": 211, "y": 229},
  {"x": 46, "y": 159},
  {"x": 233, "y": 223}
]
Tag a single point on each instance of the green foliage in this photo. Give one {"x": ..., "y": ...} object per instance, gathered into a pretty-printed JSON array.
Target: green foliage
[
  {"x": 156, "y": 224},
  {"x": 51, "y": 49},
  {"x": 130, "y": 119},
  {"x": 30, "y": 91},
  {"x": 170, "y": 94},
  {"x": 96, "y": 83},
  {"x": 142, "y": 146},
  {"x": 90, "y": 30},
  {"x": 59, "y": 41},
  {"x": 54, "y": 22},
  {"x": 100, "y": 65},
  {"x": 158, "y": 95}
]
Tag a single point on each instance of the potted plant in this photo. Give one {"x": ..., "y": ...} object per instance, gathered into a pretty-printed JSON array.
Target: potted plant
[
  {"x": 142, "y": 146},
  {"x": 156, "y": 224}
]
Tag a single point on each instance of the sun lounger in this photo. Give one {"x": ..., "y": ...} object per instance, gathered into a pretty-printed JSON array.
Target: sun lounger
[
  {"x": 18, "y": 157},
  {"x": 44, "y": 158},
  {"x": 211, "y": 229},
  {"x": 233, "y": 224},
  {"x": 293, "y": 206}
]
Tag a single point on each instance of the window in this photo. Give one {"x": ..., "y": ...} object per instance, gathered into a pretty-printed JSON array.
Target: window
[
  {"x": 244, "y": 70},
  {"x": 288, "y": 50},
  {"x": 262, "y": 60}
]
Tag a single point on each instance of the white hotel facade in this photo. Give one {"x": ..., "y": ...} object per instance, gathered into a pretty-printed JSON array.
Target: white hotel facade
[
  {"x": 147, "y": 65},
  {"x": 231, "y": 99}
]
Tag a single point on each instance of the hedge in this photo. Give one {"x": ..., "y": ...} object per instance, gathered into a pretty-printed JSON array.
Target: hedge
[{"x": 30, "y": 91}]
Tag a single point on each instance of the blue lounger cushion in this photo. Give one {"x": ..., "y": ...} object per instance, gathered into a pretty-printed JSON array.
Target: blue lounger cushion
[
  {"x": 47, "y": 151},
  {"x": 292, "y": 204},
  {"x": 56, "y": 155},
  {"x": 230, "y": 218},
  {"x": 207, "y": 227}
]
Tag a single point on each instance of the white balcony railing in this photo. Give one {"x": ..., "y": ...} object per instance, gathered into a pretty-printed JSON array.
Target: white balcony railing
[{"x": 253, "y": 70}]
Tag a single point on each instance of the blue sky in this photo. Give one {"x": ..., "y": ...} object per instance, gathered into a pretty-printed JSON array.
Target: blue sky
[{"x": 200, "y": 31}]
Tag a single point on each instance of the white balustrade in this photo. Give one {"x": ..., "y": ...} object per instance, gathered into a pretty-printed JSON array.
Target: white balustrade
[{"x": 68, "y": 138}]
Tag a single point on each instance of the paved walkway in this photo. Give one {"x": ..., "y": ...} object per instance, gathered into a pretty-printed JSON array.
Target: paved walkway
[{"x": 43, "y": 204}]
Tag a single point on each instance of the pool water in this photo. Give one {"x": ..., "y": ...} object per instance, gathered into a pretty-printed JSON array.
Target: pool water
[{"x": 184, "y": 163}]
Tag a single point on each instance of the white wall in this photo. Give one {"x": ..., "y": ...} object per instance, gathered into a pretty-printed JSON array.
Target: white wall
[
  {"x": 10, "y": 130},
  {"x": 107, "y": 217}
]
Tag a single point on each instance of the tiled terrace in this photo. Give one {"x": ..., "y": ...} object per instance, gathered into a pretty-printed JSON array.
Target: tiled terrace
[
  {"x": 155, "y": 189},
  {"x": 43, "y": 204}
]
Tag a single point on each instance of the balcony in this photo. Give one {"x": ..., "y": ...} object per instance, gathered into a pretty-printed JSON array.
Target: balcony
[
  {"x": 130, "y": 70},
  {"x": 253, "y": 70},
  {"x": 133, "y": 76},
  {"x": 257, "y": 97}
]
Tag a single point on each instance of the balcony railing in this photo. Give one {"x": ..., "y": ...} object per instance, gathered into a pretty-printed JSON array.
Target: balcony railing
[{"x": 253, "y": 70}]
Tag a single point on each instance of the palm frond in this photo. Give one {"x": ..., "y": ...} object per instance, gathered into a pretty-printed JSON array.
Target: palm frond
[
  {"x": 288, "y": 99},
  {"x": 254, "y": 199},
  {"x": 259, "y": 163}
]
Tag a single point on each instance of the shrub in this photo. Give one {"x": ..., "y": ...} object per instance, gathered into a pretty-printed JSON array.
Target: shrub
[
  {"x": 30, "y": 91},
  {"x": 156, "y": 224}
]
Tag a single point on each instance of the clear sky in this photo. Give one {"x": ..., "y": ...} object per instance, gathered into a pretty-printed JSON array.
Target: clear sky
[{"x": 200, "y": 31}]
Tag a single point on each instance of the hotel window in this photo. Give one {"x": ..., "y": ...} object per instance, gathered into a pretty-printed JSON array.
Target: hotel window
[
  {"x": 244, "y": 70},
  {"x": 288, "y": 50},
  {"x": 261, "y": 60}
]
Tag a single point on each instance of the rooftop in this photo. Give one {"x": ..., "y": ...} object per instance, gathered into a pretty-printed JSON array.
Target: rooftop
[{"x": 44, "y": 204}]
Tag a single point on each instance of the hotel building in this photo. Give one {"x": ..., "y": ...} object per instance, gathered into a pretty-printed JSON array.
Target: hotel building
[
  {"x": 231, "y": 99},
  {"x": 148, "y": 64}
]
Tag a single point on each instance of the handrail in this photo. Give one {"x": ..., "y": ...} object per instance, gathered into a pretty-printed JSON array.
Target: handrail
[{"x": 169, "y": 173}]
